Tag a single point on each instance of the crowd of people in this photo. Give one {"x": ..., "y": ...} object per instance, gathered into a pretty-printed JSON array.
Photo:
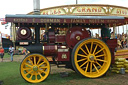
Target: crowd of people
[
  {"x": 122, "y": 41},
  {"x": 11, "y": 52}
]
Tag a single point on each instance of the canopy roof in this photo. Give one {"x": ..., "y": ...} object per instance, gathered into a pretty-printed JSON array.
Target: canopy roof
[{"x": 64, "y": 19}]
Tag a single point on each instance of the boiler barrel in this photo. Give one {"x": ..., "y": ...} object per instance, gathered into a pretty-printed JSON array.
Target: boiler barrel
[{"x": 47, "y": 50}]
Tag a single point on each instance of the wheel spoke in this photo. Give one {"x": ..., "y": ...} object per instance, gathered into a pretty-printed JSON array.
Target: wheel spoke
[
  {"x": 98, "y": 64},
  {"x": 83, "y": 51},
  {"x": 90, "y": 67},
  {"x": 41, "y": 64},
  {"x": 41, "y": 71},
  {"x": 100, "y": 55},
  {"x": 81, "y": 55},
  {"x": 86, "y": 67},
  {"x": 36, "y": 76},
  {"x": 34, "y": 60},
  {"x": 87, "y": 49},
  {"x": 95, "y": 49},
  {"x": 82, "y": 60},
  {"x": 29, "y": 72},
  {"x": 44, "y": 67},
  {"x": 40, "y": 74},
  {"x": 27, "y": 68},
  {"x": 95, "y": 68},
  {"x": 101, "y": 60},
  {"x": 84, "y": 63},
  {"x": 30, "y": 61},
  {"x": 28, "y": 65},
  {"x": 38, "y": 60},
  {"x": 99, "y": 51},
  {"x": 31, "y": 76},
  {"x": 91, "y": 47}
]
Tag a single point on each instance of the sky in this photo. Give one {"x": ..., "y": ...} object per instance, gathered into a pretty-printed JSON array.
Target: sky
[{"x": 26, "y": 6}]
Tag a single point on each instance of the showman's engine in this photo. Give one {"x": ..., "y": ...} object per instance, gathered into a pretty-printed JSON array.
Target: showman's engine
[{"x": 57, "y": 45}]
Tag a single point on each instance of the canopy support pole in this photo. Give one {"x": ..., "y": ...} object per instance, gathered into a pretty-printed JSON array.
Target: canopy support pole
[{"x": 114, "y": 30}]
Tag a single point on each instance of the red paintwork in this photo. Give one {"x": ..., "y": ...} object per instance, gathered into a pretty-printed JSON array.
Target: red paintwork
[
  {"x": 58, "y": 51},
  {"x": 50, "y": 50},
  {"x": 27, "y": 36},
  {"x": 73, "y": 33},
  {"x": 51, "y": 37},
  {"x": 112, "y": 44},
  {"x": 59, "y": 57},
  {"x": 59, "y": 38}
]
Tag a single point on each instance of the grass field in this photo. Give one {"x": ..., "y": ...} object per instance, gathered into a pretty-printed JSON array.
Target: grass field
[
  {"x": 10, "y": 74},
  {"x": 6, "y": 55}
]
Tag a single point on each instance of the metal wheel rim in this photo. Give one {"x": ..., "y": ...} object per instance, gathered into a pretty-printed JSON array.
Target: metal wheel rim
[
  {"x": 92, "y": 63},
  {"x": 35, "y": 71}
]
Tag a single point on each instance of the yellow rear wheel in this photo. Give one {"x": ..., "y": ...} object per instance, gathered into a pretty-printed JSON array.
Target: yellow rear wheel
[
  {"x": 35, "y": 68},
  {"x": 91, "y": 58}
]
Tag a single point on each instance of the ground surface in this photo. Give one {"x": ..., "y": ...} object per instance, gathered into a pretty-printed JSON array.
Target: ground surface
[{"x": 9, "y": 73}]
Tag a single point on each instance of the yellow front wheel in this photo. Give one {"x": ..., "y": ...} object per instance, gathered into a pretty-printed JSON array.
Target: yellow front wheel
[
  {"x": 35, "y": 68},
  {"x": 91, "y": 58}
]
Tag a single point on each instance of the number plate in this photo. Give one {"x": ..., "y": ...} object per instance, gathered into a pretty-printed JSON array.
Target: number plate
[{"x": 23, "y": 43}]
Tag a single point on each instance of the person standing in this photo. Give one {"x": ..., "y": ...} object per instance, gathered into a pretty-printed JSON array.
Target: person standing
[
  {"x": 11, "y": 50},
  {"x": 24, "y": 51},
  {"x": 105, "y": 33},
  {"x": 123, "y": 40},
  {"x": 1, "y": 53}
]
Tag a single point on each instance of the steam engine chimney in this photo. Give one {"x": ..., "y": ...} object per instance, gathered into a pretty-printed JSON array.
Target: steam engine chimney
[{"x": 36, "y": 7}]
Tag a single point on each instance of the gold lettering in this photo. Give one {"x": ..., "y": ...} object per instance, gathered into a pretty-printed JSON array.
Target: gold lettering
[
  {"x": 41, "y": 20},
  {"x": 58, "y": 20},
  {"x": 47, "y": 20},
  {"x": 102, "y": 21},
  {"x": 20, "y": 20},
  {"x": 51, "y": 20},
  {"x": 65, "y": 21},
  {"x": 33, "y": 20},
  {"x": 91, "y": 21}
]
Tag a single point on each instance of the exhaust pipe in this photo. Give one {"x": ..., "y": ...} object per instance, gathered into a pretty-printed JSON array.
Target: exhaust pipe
[{"x": 36, "y": 7}]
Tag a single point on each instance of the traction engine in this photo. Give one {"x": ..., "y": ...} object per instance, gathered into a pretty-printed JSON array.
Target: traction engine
[{"x": 90, "y": 57}]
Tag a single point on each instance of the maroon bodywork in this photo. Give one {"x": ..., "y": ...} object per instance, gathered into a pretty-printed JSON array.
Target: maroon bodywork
[
  {"x": 75, "y": 34},
  {"x": 112, "y": 44}
]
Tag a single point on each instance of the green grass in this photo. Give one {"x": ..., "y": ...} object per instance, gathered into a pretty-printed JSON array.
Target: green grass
[
  {"x": 6, "y": 55},
  {"x": 10, "y": 74}
]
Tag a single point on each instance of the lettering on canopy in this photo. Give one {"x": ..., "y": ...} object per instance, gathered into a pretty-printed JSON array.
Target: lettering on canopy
[
  {"x": 44, "y": 20},
  {"x": 56, "y": 11},
  {"x": 120, "y": 11},
  {"x": 88, "y": 10}
]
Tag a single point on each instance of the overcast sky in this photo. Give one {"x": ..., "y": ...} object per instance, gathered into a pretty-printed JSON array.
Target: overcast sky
[{"x": 26, "y": 6}]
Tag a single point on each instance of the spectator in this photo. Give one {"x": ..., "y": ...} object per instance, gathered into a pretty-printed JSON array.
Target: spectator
[
  {"x": 44, "y": 36},
  {"x": 24, "y": 51},
  {"x": 123, "y": 40},
  {"x": 11, "y": 50},
  {"x": 105, "y": 33},
  {"x": 119, "y": 43},
  {"x": 112, "y": 35},
  {"x": 1, "y": 53}
]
